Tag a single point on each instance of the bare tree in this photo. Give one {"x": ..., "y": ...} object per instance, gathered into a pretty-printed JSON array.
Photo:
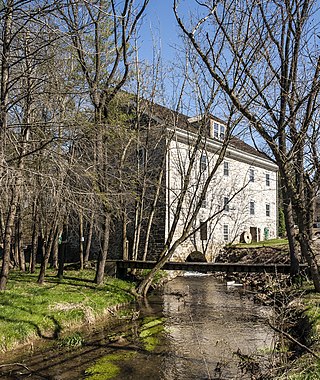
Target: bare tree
[
  {"x": 104, "y": 62},
  {"x": 268, "y": 66},
  {"x": 17, "y": 84}
]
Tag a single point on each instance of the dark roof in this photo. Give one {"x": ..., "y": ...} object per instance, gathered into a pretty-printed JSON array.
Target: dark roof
[
  {"x": 244, "y": 147},
  {"x": 167, "y": 116}
]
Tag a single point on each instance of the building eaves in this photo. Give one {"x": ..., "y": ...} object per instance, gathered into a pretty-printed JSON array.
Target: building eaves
[
  {"x": 174, "y": 119},
  {"x": 214, "y": 145}
]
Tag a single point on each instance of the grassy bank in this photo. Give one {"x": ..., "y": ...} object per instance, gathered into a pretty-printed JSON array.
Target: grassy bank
[
  {"x": 29, "y": 311},
  {"x": 307, "y": 365},
  {"x": 264, "y": 243}
]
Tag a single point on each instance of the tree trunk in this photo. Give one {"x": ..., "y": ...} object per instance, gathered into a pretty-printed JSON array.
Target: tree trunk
[
  {"x": 35, "y": 241},
  {"x": 47, "y": 249},
  {"x": 19, "y": 243},
  {"x": 104, "y": 251},
  {"x": 44, "y": 261},
  {"x": 1, "y": 225},
  {"x": 15, "y": 252},
  {"x": 5, "y": 71},
  {"x": 4, "y": 99},
  {"x": 62, "y": 246},
  {"x": 8, "y": 235},
  {"x": 308, "y": 254},
  {"x": 61, "y": 259},
  {"x": 81, "y": 240},
  {"x": 125, "y": 253},
  {"x": 304, "y": 239},
  {"x": 89, "y": 240},
  {"x": 137, "y": 226},
  {"x": 55, "y": 253},
  {"x": 22, "y": 259},
  {"x": 153, "y": 210},
  {"x": 289, "y": 221}
]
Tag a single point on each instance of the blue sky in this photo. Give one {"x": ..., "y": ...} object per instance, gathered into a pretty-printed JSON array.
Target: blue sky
[
  {"x": 159, "y": 24},
  {"x": 159, "y": 27},
  {"x": 159, "y": 31}
]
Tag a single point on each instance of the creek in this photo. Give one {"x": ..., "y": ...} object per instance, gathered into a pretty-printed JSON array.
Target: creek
[{"x": 198, "y": 328}]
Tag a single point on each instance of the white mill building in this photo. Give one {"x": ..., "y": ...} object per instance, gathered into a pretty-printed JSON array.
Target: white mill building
[
  {"x": 240, "y": 202},
  {"x": 242, "y": 192}
]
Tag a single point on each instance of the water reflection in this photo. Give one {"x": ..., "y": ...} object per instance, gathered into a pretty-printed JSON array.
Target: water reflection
[
  {"x": 207, "y": 323},
  {"x": 191, "y": 332}
]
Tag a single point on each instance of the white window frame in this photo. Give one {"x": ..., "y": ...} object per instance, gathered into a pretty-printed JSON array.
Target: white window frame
[
  {"x": 204, "y": 231},
  {"x": 226, "y": 168},
  {"x": 268, "y": 210},
  {"x": 252, "y": 207},
  {"x": 226, "y": 232},
  {"x": 203, "y": 162},
  {"x": 204, "y": 203},
  {"x": 219, "y": 131},
  {"x": 222, "y": 132},
  {"x": 251, "y": 175},
  {"x": 268, "y": 179},
  {"x": 226, "y": 206},
  {"x": 216, "y": 130}
]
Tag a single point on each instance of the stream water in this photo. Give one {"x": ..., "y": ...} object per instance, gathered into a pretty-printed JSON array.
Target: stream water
[{"x": 197, "y": 329}]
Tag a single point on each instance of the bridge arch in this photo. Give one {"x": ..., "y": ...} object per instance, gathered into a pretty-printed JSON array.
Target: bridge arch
[{"x": 196, "y": 256}]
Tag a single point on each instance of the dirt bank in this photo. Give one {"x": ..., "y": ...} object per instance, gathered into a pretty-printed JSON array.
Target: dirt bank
[
  {"x": 296, "y": 308},
  {"x": 248, "y": 254},
  {"x": 255, "y": 255}
]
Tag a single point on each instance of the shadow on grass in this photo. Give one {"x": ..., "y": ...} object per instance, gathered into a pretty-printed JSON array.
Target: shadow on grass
[
  {"x": 92, "y": 285},
  {"x": 66, "y": 280},
  {"x": 74, "y": 281},
  {"x": 56, "y": 329},
  {"x": 22, "y": 314}
]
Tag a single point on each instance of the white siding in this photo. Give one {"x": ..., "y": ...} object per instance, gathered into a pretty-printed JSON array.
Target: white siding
[{"x": 238, "y": 218}]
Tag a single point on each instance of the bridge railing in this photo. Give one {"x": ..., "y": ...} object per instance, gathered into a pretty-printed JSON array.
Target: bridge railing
[{"x": 123, "y": 265}]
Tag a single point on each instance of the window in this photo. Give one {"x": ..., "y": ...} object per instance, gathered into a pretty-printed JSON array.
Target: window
[
  {"x": 225, "y": 168},
  {"x": 251, "y": 207},
  {"x": 219, "y": 131},
  {"x": 216, "y": 130},
  {"x": 226, "y": 204},
  {"x": 267, "y": 209},
  {"x": 267, "y": 179},
  {"x": 203, "y": 162},
  {"x": 222, "y": 132},
  {"x": 251, "y": 175},
  {"x": 141, "y": 155},
  {"x": 204, "y": 202},
  {"x": 225, "y": 232},
  {"x": 204, "y": 231}
]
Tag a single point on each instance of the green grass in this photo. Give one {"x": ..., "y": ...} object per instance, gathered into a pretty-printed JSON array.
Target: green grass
[
  {"x": 73, "y": 340},
  {"x": 304, "y": 370},
  {"x": 107, "y": 367},
  {"x": 159, "y": 276},
  {"x": 30, "y": 310},
  {"x": 311, "y": 301},
  {"x": 307, "y": 367},
  {"x": 264, "y": 243}
]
